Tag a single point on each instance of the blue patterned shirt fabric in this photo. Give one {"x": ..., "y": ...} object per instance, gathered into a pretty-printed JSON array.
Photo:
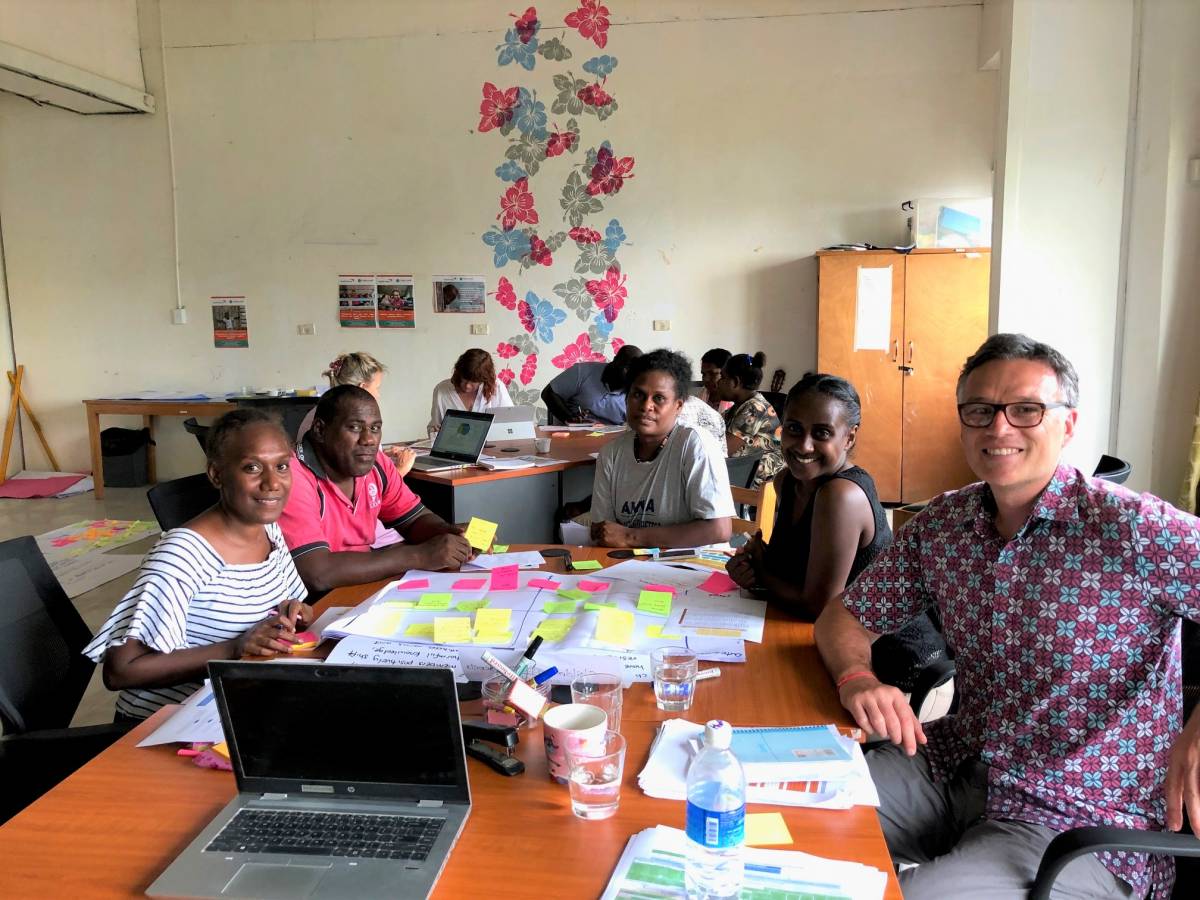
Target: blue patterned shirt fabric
[{"x": 1066, "y": 643}]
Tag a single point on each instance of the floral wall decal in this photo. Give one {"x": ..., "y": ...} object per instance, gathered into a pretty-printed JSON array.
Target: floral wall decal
[{"x": 544, "y": 148}]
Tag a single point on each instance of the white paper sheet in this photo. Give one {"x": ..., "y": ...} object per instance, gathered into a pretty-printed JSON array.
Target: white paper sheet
[
  {"x": 526, "y": 559},
  {"x": 873, "y": 309},
  {"x": 79, "y": 574},
  {"x": 197, "y": 720},
  {"x": 363, "y": 651}
]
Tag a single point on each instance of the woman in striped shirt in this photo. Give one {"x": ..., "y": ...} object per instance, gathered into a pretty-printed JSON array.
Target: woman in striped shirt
[{"x": 222, "y": 586}]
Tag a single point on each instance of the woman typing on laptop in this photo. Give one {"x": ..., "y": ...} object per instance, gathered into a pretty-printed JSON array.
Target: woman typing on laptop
[{"x": 221, "y": 586}]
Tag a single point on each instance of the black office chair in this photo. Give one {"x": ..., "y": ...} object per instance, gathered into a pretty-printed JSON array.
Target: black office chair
[
  {"x": 192, "y": 427},
  {"x": 1112, "y": 469},
  {"x": 181, "y": 499},
  {"x": 742, "y": 469},
  {"x": 43, "y": 675},
  {"x": 778, "y": 400}
]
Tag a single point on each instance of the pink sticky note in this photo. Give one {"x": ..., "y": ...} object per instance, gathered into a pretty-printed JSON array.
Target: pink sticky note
[
  {"x": 504, "y": 578},
  {"x": 63, "y": 541},
  {"x": 418, "y": 584},
  {"x": 548, "y": 583},
  {"x": 719, "y": 583},
  {"x": 468, "y": 584},
  {"x": 593, "y": 586},
  {"x": 664, "y": 587}
]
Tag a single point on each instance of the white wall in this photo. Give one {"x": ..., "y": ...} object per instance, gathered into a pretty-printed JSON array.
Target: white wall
[{"x": 100, "y": 36}]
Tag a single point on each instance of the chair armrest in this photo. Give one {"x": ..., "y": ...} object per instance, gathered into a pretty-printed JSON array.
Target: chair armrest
[{"x": 1097, "y": 838}]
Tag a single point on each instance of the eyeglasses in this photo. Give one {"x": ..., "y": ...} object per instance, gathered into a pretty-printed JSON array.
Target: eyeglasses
[{"x": 1022, "y": 414}]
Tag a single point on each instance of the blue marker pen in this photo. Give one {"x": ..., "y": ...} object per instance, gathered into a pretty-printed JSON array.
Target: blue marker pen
[{"x": 542, "y": 677}]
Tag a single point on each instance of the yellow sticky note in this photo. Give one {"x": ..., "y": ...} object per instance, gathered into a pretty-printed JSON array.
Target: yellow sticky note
[
  {"x": 555, "y": 607},
  {"x": 656, "y": 631},
  {"x": 554, "y": 629},
  {"x": 435, "y": 601},
  {"x": 642, "y": 551},
  {"x": 719, "y": 632},
  {"x": 499, "y": 548},
  {"x": 573, "y": 594},
  {"x": 493, "y": 619},
  {"x": 766, "y": 828},
  {"x": 469, "y": 606},
  {"x": 480, "y": 533},
  {"x": 586, "y": 565},
  {"x": 382, "y": 622},
  {"x": 655, "y": 603},
  {"x": 420, "y": 630},
  {"x": 615, "y": 627},
  {"x": 398, "y": 604},
  {"x": 493, "y": 637},
  {"x": 452, "y": 629}
]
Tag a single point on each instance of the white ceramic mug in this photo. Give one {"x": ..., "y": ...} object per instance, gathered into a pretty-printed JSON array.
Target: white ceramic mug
[{"x": 574, "y": 725}]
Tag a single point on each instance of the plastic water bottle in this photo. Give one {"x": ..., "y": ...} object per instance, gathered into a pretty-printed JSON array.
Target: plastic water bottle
[{"x": 716, "y": 813}]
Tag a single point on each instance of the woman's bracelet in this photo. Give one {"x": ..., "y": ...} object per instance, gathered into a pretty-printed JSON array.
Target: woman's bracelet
[{"x": 861, "y": 673}]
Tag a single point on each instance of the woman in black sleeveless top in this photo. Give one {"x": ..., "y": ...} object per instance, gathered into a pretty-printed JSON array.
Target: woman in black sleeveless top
[{"x": 829, "y": 524}]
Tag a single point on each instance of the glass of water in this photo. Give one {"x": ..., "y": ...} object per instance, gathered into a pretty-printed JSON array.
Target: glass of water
[
  {"x": 674, "y": 671},
  {"x": 594, "y": 778},
  {"x": 604, "y": 691}
]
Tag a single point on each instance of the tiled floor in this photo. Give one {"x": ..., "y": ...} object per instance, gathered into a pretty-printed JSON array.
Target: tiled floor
[{"x": 20, "y": 517}]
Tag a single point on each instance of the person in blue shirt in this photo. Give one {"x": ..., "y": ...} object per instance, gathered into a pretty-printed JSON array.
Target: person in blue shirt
[{"x": 591, "y": 392}]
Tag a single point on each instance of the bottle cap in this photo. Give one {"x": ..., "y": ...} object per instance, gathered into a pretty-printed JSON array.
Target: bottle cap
[{"x": 718, "y": 733}]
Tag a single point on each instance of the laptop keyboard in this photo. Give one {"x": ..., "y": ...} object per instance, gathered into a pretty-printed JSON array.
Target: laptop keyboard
[{"x": 328, "y": 834}]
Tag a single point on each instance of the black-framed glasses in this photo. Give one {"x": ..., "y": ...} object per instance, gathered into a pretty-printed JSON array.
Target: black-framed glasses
[{"x": 1021, "y": 414}]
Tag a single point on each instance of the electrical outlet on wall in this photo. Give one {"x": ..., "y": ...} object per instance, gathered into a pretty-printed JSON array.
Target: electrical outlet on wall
[
  {"x": 179, "y": 315},
  {"x": 662, "y": 324},
  {"x": 481, "y": 329},
  {"x": 306, "y": 328}
]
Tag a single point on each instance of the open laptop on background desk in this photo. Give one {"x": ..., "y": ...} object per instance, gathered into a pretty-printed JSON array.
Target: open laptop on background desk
[
  {"x": 513, "y": 423},
  {"x": 458, "y": 443},
  {"x": 352, "y": 783}
]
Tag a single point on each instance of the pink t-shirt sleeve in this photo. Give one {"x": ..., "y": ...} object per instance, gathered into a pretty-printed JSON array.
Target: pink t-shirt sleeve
[
  {"x": 400, "y": 505},
  {"x": 301, "y": 522}
]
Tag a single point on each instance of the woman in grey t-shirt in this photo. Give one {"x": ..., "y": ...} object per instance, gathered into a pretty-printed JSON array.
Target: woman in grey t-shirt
[{"x": 660, "y": 484}]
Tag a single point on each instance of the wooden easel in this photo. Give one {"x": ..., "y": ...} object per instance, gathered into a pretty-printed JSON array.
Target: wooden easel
[{"x": 16, "y": 403}]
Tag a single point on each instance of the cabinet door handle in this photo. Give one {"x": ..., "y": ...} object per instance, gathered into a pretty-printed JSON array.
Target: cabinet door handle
[
  {"x": 911, "y": 348},
  {"x": 896, "y": 350}
]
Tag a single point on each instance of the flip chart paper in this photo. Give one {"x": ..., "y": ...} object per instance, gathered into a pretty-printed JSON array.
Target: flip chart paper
[
  {"x": 656, "y": 603},
  {"x": 504, "y": 578},
  {"x": 615, "y": 626},
  {"x": 451, "y": 629},
  {"x": 469, "y": 584},
  {"x": 418, "y": 584},
  {"x": 586, "y": 565},
  {"x": 480, "y": 533},
  {"x": 435, "y": 601},
  {"x": 492, "y": 620},
  {"x": 719, "y": 583}
]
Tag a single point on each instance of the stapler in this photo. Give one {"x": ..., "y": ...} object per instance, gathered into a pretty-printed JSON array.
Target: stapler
[{"x": 475, "y": 734}]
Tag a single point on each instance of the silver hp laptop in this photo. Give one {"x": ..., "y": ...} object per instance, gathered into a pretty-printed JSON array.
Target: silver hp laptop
[
  {"x": 352, "y": 783},
  {"x": 458, "y": 443},
  {"x": 513, "y": 423}
]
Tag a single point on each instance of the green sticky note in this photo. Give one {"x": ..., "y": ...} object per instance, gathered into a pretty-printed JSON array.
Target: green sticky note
[
  {"x": 420, "y": 630},
  {"x": 398, "y": 604},
  {"x": 555, "y": 607},
  {"x": 493, "y": 637},
  {"x": 655, "y": 603},
  {"x": 452, "y": 629},
  {"x": 499, "y": 548},
  {"x": 573, "y": 594},
  {"x": 553, "y": 629},
  {"x": 586, "y": 565},
  {"x": 435, "y": 601},
  {"x": 492, "y": 620},
  {"x": 656, "y": 631},
  {"x": 615, "y": 627},
  {"x": 591, "y": 607},
  {"x": 469, "y": 606}
]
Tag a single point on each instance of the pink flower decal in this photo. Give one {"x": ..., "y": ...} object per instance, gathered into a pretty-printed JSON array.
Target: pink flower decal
[
  {"x": 505, "y": 295},
  {"x": 617, "y": 344},
  {"x": 609, "y": 172},
  {"x": 497, "y": 108},
  {"x": 525, "y": 312},
  {"x": 594, "y": 95},
  {"x": 529, "y": 369},
  {"x": 527, "y": 25},
  {"x": 507, "y": 351},
  {"x": 609, "y": 293},
  {"x": 560, "y": 142},
  {"x": 582, "y": 235},
  {"x": 506, "y": 375},
  {"x": 577, "y": 352},
  {"x": 539, "y": 252},
  {"x": 591, "y": 21},
  {"x": 517, "y": 206}
]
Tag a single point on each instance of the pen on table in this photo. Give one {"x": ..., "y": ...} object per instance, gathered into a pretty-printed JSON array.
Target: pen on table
[
  {"x": 714, "y": 672},
  {"x": 542, "y": 677},
  {"x": 526, "y": 661}
]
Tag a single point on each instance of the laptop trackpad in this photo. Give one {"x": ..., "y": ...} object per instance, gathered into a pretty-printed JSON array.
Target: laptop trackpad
[{"x": 273, "y": 882}]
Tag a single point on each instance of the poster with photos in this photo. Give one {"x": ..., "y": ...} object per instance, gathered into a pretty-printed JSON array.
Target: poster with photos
[
  {"x": 229, "y": 322},
  {"x": 356, "y": 301},
  {"x": 394, "y": 301}
]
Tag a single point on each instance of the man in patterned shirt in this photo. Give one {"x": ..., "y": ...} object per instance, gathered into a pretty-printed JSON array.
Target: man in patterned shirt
[{"x": 1061, "y": 597}]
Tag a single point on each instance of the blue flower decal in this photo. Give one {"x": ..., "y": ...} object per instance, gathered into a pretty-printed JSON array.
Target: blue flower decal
[
  {"x": 510, "y": 171},
  {"x": 545, "y": 316},
  {"x": 614, "y": 237},
  {"x": 512, "y": 50},
  {"x": 600, "y": 66},
  {"x": 603, "y": 326},
  {"x": 530, "y": 115},
  {"x": 506, "y": 245}
]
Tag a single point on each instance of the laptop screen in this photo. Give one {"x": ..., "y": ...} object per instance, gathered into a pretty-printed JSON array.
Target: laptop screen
[
  {"x": 383, "y": 732},
  {"x": 462, "y": 435}
]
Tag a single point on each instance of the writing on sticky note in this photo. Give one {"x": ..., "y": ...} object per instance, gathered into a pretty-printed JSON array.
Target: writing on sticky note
[
  {"x": 420, "y": 630},
  {"x": 592, "y": 587},
  {"x": 548, "y": 584},
  {"x": 661, "y": 588},
  {"x": 555, "y": 607},
  {"x": 452, "y": 629},
  {"x": 766, "y": 828},
  {"x": 586, "y": 565},
  {"x": 552, "y": 630},
  {"x": 615, "y": 626},
  {"x": 593, "y": 606},
  {"x": 493, "y": 619},
  {"x": 480, "y": 533},
  {"x": 499, "y": 548},
  {"x": 417, "y": 584},
  {"x": 573, "y": 594},
  {"x": 468, "y": 606},
  {"x": 719, "y": 583},
  {"x": 504, "y": 578},
  {"x": 656, "y": 631},
  {"x": 435, "y": 601},
  {"x": 493, "y": 637},
  {"x": 468, "y": 584},
  {"x": 381, "y": 622},
  {"x": 655, "y": 603}
]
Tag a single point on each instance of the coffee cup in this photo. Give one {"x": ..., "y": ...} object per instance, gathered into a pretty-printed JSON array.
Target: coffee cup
[{"x": 575, "y": 726}]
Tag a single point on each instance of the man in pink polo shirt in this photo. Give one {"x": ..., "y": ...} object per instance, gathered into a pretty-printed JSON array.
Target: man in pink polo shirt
[{"x": 341, "y": 486}]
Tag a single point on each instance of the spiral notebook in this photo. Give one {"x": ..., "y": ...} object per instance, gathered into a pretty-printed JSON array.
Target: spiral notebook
[{"x": 793, "y": 753}]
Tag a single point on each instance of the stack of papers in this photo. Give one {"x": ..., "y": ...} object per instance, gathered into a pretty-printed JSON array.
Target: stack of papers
[
  {"x": 652, "y": 866},
  {"x": 839, "y": 786}
]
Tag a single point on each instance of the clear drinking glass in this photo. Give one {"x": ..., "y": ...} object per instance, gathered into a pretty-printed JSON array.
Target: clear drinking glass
[
  {"x": 595, "y": 775},
  {"x": 604, "y": 691},
  {"x": 674, "y": 671},
  {"x": 496, "y": 711}
]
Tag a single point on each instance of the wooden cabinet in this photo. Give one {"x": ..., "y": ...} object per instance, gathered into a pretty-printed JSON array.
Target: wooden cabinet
[{"x": 938, "y": 317}]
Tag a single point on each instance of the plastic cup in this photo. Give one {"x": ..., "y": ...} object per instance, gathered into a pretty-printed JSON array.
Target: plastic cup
[
  {"x": 604, "y": 691},
  {"x": 594, "y": 779},
  {"x": 674, "y": 670},
  {"x": 542, "y": 444}
]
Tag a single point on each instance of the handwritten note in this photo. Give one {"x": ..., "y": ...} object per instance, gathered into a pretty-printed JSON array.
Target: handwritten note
[
  {"x": 655, "y": 603},
  {"x": 417, "y": 584},
  {"x": 480, "y": 533},
  {"x": 468, "y": 606},
  {"x": 719, "y": 583},
  {"x": 452, "y": 629},
  {"x": 554, "y": 607},
  {"x": 468, "y": 584},
  {"x": 498, "y": 619},
  {"x": 376, "y": 652},
  {"x": 615, "y": 626},
  {"x": 553, "y": 630},
  {"x": 586, "y": 565},
  {"x": 593, "y": 587},
  {"x": 435, "y": 601},
  {"x": 548, "y": 584},
  {"x": 504, "y": 578}
]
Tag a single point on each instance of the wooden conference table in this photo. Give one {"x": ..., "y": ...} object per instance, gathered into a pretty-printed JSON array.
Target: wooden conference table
[{"x": 111, "y": 828}]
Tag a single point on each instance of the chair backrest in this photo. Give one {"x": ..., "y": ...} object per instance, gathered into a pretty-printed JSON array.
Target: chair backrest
[
  {"x": 742, "y": 468},
  {"x": 43, "y": 672},
  {"x": 778, "y": 401},
  {"x": 192, "y": 427},
  {"x": 1110, "y": 468},
  {"x": 175, "y": 502},
  {"x": 763, "y": 501}
]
